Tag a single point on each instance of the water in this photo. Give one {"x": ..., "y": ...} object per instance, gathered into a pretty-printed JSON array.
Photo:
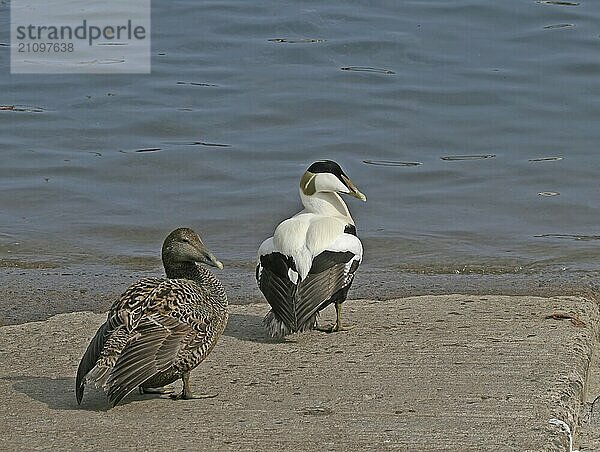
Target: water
[{"x": 477, "y": 121}]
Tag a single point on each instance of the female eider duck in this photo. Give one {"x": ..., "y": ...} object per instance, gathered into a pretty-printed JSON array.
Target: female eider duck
[
  {"x": 160, "y": 328},
  {"x": 311, "y": 259}
]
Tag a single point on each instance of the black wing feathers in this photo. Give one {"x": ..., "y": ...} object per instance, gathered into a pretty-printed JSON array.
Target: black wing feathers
[
  {"x": 328, "y": 281},
  {"x": 328, "y": 259},
  {"x": 278, "y": 263},
  {"x": 275, "y": 284},
  {"x": 350, "y": 229},
  {"x": 317, "y": 290}
]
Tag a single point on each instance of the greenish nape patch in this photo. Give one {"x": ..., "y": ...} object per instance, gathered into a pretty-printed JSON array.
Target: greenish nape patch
[{"x": 307, "y": 183}]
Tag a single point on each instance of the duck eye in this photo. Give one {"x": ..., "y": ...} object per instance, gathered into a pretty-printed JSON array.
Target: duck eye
[{"x": 185, "y": 240}]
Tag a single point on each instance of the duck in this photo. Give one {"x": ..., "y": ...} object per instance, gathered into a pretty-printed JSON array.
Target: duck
[
  {"x": 159, "y": 329},
  {"x": 310, "y": 261}
]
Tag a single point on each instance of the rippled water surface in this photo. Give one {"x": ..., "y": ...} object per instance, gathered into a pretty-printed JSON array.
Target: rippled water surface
[{"x": 472, "y": 126}]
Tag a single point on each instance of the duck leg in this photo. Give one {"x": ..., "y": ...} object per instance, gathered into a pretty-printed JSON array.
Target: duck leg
[
  {"x": 186, "y": 393},
  {"x": 338, "y": 323}
]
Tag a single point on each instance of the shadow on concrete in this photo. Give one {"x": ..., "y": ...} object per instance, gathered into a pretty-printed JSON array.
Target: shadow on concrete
[
  {"x": 246, "y": 327},
  {"x": 56, "y": 393},
  {"x": 59, "y": 393}
]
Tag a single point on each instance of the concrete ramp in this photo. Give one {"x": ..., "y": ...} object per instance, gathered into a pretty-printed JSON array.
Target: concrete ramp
[{"x": 455, "y": 373}]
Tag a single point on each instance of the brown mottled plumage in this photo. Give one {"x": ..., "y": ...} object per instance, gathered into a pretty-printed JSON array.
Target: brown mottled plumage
[{"x": 160, "y": 328}]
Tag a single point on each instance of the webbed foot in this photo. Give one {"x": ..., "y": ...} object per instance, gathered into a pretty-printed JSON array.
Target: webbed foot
[
  {"x": 335, "y": 328},
  {"x": 184, "y": 396},
  {"x": 162, "y": 390}
]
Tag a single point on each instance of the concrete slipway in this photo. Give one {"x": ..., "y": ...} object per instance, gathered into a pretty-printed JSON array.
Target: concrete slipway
[{"x": 451, "y": 372}]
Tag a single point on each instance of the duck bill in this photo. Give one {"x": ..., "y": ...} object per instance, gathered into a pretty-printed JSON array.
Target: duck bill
[
  {"x": 353, "y": 190},
  {"x": 210, "y": 259}
]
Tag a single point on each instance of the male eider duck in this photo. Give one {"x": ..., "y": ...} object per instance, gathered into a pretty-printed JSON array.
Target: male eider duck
[
  {"x": 311, "y": 259},
  {"x": 160, "y": 328}
]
